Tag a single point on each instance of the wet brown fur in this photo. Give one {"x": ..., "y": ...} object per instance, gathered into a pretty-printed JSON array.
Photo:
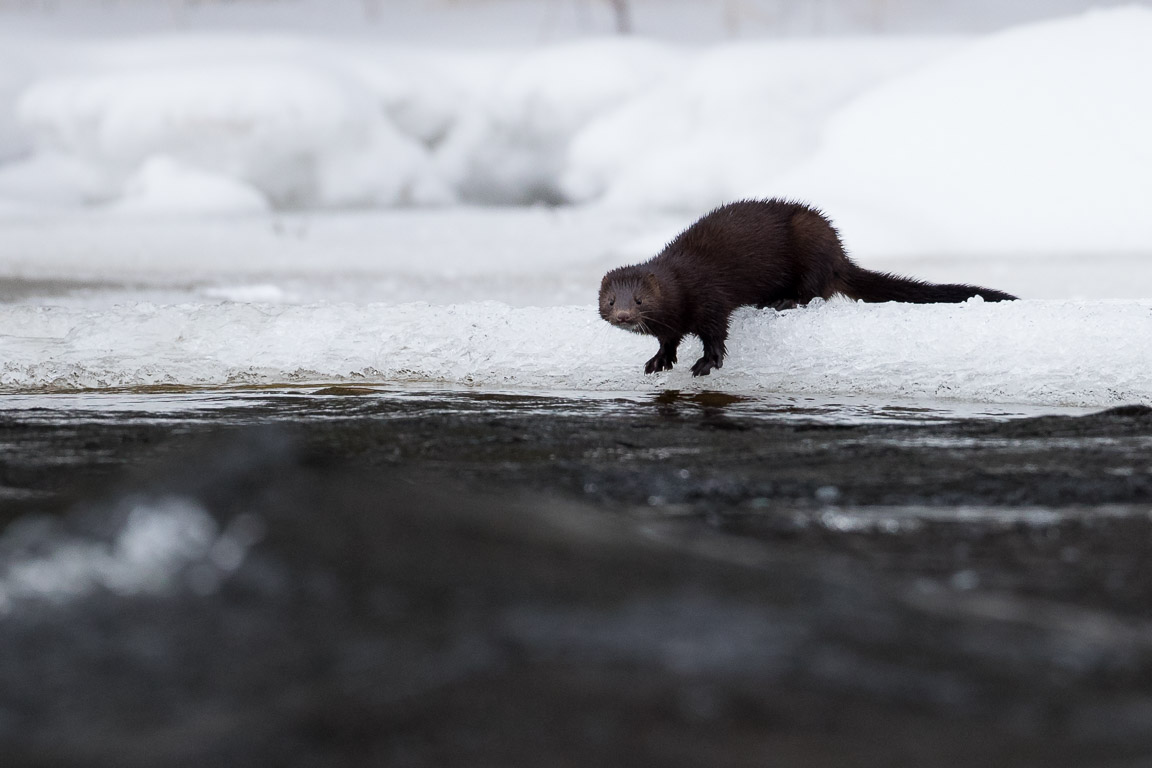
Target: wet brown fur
[{"x": 763, "y": 253}]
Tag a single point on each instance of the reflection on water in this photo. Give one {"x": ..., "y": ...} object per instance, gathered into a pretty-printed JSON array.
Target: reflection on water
[{"x": 244, "y": 404}]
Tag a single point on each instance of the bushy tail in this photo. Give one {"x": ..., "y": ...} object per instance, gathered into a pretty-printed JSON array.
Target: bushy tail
[{"x": 865, "y": 285}]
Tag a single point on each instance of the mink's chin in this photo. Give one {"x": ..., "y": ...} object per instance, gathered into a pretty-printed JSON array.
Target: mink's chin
[{"x": 633, "y": 327}]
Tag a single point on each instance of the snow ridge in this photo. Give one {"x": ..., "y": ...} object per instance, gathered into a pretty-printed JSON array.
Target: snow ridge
[{"x": 1061, "y": 353}]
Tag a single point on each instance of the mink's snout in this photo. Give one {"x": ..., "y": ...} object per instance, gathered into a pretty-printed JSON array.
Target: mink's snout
[{"x": 625, "y": 317}]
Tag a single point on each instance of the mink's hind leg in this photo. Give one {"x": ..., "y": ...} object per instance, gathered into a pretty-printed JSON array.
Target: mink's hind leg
[
  {"x": 665, "y": 358},
  {"x": 779, "y": 299},
  {"x": 713, "y": 332},
  {"x": 713, "y": 356},
  {"x": 779, "y": 305}
]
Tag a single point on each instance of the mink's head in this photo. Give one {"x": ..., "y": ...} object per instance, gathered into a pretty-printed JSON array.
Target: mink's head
[{"x": 629, "y": 297}]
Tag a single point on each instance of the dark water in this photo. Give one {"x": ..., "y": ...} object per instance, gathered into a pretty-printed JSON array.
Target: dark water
[{"x": 349, "y": 577}]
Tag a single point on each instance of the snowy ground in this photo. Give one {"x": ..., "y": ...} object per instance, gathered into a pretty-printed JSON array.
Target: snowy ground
[
  {"x": 236, "y": 208},
  {"x": 503, "y": 298}
]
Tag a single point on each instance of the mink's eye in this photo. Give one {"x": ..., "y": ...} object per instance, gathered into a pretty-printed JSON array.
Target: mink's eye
[
  {"x": 638, "y": 301},
  {"x": 612, "y": 301}
]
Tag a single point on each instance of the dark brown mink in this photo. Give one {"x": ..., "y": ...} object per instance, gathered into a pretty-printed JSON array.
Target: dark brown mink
[{"x": 764, "y": 253}]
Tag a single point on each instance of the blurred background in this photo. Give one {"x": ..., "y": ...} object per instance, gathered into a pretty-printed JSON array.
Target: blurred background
[
  {"x": 488, "y": 21},
  {"x": 906, "y": 109}
]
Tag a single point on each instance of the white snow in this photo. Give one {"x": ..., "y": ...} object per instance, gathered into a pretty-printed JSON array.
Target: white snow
[
  {"x": 1059, "y": 353},
  {"x": 165, "y": 185},
  {"x": 302, "y": 135},
  {"x": 50, "y": 179},
  {"x": 519, "y": 22},
  {"x": 733, "y": 120},
  {"x": 900, "y": 139},
  {"x": 1031, "y": 139},
  {"x": 521, "y": 256},
  {"x": 1034, "y": 138},
  {"x": 510, "y": 146}
]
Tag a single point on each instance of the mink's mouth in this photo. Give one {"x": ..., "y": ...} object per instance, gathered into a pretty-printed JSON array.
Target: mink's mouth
[
  {"x": 634, "y": 327},
  {"x": 625, "y": 320}
]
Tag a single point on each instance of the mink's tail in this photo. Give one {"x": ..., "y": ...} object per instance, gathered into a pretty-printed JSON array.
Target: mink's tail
[{"x": 865, "y": 285}]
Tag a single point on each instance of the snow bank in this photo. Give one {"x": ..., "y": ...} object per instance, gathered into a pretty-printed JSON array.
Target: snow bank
[
  {"x": 164, "y": 185},
  {"x": 510, "y": 145},
  {"x": 53, "y": 179},
  {"x": 1033, "y": 139},
  {"x": 304, "y": 136},
  {"x": 736, "y": 118},
  {"x": 1052, "y": 353},
  {"x": 15, "y": 74},
  {"x": 312, "y": 123}
]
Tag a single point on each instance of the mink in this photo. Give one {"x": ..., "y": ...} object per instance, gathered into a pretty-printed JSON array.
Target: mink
[{"x": 764, "y": 253}]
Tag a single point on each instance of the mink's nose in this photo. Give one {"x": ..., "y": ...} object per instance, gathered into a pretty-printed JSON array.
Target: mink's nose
[{"x": 624, "y": 316}]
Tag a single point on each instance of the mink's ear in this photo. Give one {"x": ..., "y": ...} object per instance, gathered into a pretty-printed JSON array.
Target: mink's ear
[{"x": 652, "y": 282}]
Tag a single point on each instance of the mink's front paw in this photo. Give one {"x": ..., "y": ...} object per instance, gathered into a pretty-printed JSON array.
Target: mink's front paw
[{"x": 659, "y": 363}]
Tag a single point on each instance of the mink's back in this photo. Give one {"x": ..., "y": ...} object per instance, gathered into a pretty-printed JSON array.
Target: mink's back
[
  {"x": 734, "y": 235},
  {"x": 754, "y": 252}
]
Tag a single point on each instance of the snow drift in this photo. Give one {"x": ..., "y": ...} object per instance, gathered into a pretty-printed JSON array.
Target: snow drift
[
  {"x": 300, "y": 135},
  {"x": 1041, "y": 352},
  {"x": 510, "y": 145},
  {"x": 1032, "y": 139},
  {"x": 735, "y": 119}
]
